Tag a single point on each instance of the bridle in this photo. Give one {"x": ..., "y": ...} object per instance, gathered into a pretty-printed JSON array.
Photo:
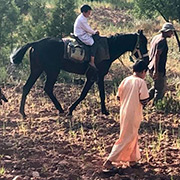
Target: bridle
[{"x": 137, "y": 50}]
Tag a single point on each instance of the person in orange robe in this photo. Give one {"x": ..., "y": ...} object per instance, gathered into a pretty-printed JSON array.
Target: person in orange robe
[{"x": 133, "y": 95}]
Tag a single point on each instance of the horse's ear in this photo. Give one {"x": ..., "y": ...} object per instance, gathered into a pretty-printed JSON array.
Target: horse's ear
[{"x": 140, "y": 31}]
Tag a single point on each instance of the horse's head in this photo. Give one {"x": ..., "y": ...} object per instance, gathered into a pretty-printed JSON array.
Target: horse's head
[
  {"x": 140, "y": 50},
  {"x": 2, "y": 97}
]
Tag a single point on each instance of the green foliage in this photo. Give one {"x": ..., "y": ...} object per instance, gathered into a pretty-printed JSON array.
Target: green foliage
[
  {"x": 169, "y": 104},
  {"x": 23, "y": 21},
  {"x": 62, "y": 19},
  {"x": 2, "y": 170},
  {"x": 3, "y": 75},
  {"x": 34, "y": 22},
  {"x": 65, "y": 77},
  {"x": 151, "y": 8},
  {"x": 23, "y": 5},
  {"x": 9, "y": 20}
]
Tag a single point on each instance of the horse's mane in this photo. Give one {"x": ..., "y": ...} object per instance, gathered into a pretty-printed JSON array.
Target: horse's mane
[
  {"x": 121, "y": 39},
  {"x": 116, "y": 35},
  {"x": 119, "y": 35}
]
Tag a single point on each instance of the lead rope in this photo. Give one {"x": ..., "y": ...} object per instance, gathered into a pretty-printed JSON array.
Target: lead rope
[{"x": 120, "y": 60}]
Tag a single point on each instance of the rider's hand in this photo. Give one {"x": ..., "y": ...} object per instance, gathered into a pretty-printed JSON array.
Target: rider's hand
[
  {"x": 155, "y": 75},
  {"x": 97, "y": 32},
  {"x": 118, "y": 98}
]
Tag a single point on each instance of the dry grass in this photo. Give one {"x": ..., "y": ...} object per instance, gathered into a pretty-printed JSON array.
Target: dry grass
[
  {"x": 58, "y": 147},
  {"x": 54, "y": 145}
]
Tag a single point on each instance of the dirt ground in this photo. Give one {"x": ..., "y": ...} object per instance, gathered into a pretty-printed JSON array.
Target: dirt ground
[
  {"x": 49, "y": 146},
  {"x": 46, "y": 145}
]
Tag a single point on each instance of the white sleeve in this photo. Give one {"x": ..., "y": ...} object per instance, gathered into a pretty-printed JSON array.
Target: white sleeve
[
  {"x": 143, "y": 91},
  {"x": 87, "y": 28},
  {"x": 120, "y": 88}
]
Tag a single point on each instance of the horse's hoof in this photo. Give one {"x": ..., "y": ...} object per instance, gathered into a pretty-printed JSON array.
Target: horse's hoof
[
  {"x": 24, "y": 116},
  {"x": 4, "y": 99},
  {"x": 105, "y": 113}
]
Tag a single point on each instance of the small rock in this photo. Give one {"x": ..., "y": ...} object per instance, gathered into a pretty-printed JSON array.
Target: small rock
[
  {"x": 7, "y": 161},
  {"x": 26, "y": 178},
  {"x": 7, "y": 157},
  {"x": 35, "y": 174},
  {"x": 63, "y": 162},
  {"x": 17, "y": 178},
  {"x": 17, "y": 167},
  {"x": 9, "y": 177}
]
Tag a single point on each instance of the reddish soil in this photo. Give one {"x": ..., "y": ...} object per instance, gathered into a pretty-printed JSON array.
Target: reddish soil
[
  {"x": 48, "y": 146},
  {"x": 54, "y": 147}
]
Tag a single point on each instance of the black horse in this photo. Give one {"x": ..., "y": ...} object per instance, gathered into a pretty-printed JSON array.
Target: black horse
[{"x": 48, "y": 55}]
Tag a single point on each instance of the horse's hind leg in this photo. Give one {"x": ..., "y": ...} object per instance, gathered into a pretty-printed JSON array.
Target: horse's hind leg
[
  {"x": 27, "y": 87},
  {"x": 51, "y": 79},
  {"x": 36, "y": 71}
]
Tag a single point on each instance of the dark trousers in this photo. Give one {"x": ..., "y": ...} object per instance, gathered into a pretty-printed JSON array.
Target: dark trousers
[
  {"x": 93, "y": 49},
  {"x": 158, "y": 90}
]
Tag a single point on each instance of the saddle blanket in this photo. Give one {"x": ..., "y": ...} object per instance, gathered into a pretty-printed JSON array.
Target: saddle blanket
[{"x": 81, "y": 53}]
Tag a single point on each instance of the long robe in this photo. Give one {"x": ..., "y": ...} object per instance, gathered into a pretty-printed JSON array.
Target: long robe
[{"x": 131, "y": 90}]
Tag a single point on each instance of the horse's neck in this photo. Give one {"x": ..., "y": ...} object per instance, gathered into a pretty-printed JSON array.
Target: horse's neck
[{"x": 119, "y": 44}]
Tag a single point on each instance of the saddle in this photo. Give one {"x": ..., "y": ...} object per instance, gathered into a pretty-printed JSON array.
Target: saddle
[{"x": 77, "y": 51}]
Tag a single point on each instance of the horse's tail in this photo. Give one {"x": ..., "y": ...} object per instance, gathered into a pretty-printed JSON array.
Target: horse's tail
[{"x": 18, "y": 54}]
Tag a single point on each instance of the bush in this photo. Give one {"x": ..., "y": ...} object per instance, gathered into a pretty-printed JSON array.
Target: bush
[
  {"x": 3, "y": 75},
  {"x": 169, "y": 104},
  {"x": 62, "y": 20}
]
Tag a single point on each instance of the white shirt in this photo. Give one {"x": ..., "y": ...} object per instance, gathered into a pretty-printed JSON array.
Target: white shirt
[{"x": 83, "y": 31}]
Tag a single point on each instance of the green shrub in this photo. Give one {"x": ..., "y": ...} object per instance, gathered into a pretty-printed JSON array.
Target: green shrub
[
  {"x": 169, "y": 104},
  {"x": 3, "y": 75}
]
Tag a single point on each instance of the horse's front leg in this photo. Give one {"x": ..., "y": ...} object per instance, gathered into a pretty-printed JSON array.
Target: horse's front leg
[
  {"x": 84, "y": 92},
  {"x": 102, "y": 95},
  {"x": 49, "y": 85}
]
